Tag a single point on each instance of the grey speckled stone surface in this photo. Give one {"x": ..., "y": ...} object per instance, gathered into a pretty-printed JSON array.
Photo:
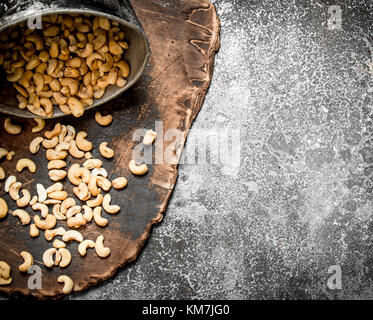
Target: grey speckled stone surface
[{"x": 300, "y": 198}]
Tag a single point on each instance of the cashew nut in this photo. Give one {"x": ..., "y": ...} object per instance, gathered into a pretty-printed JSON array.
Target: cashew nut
[
  {"x": 55, "y": 155},
  {"x": 49, "y": 222},
  {"x": 68, "y": 284},
  {"x": 57, "y": 175},
  {"x": 82, "y": 192},
  {"x": 58, "y": 244},
  {"x": 105, "y": 151},
  {"x": 54, "y": 187},
  {"x": 77, "y": 174},
  {"x": 2, "y": 173},
  {"x": 42, "y": 193},
  {"x": 67, "y": 204},
  {"x": 34, "y": 231},
  {"x": 11, "y": 128},
  {"x": 56, "y": 164},
  {"x": 28, "y": 261},
  {"x": 8, "y": 183},
  {"x": 99, "y": 172},
  {"x": 103, "y": 120},
  {"x": 92, "y": 163},
  {"x": 66, "y": 257},
  {"x": 76, "y": 221},
  {"x": 149, "y": 137},
  {"x": 82, "y": 248},
  {"x": 33, "y": 200},
  {"x": 5, "y": 270},
  {"x": 99, "y": 220},
  {"x": 72, "y": 235},
  {"x": 95, "y": 202},
  {"x": 40, "y": 124},
  {"x": 26, "y": 163},
  {"x": 14, "y": 190},
  {"x": 101, "y": 251},
  {"x": 119, "y": 183},
  {"x": 138, "y": 170},
  {"x": 112, "y": 209},
  {"x": 22, "y": 215},
  {"x": 42, "y": 208},
  {"x": 51, "y": 233},
  {"x": 57, "y": 212},
  {"x": 48, "y": 257},
  {"x": 58, "y": 195},
  {"x": 88, "y": 213},
  {"x": 73, "y": 211},
  {"x": 103, "y": 183},
  {"x": 50, "y": 144},
  {"x": 74, "y": 151},
  {"x": 35, "y": 144},
  {"x": 25, "y": 200},
  {"x": 3, "y": 208},
  {"x": 82, "y": 143}
]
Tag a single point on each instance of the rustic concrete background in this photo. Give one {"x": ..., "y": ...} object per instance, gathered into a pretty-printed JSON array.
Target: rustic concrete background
[{"x": 300, "y": 198}]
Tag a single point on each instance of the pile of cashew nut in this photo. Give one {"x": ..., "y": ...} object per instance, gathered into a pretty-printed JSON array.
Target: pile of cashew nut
[
  {"x": 68, "y": 63},
  {"x": 56, "y": 212}
]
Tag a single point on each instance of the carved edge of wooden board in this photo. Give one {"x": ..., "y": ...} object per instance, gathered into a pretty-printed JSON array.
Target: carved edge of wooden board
[{"x": 134, "y": 247}]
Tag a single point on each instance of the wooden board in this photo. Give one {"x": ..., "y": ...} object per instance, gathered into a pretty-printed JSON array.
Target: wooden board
[{"x": 184, "y": 37}]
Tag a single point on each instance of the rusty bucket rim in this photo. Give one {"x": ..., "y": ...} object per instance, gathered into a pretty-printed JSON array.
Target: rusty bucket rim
[{"x": 88, "y": 11}]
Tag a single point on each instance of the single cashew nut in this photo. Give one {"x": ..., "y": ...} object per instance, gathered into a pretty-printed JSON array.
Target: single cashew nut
[
  {"x": 55, "y": 155},
  {"x": 99, "y": 172},
  {"x": 99, "y": 220},
  {"x": 103, "y": 120},
  {"x": 35, "y": 144},
  {"x": 112, "y": 209},
  {"x": 8, "y": 183},
  {"x": 149, "y": 137},
  {"x": 50, "y": 234},
  {"x": 49, "y": 222},
  {"x": 58, "y": 195},
  {"x": 66, "y": 257},
  {"x": 26, "y": 163},
  {"x": 119, "y": 183},
  {"x": 28, "y": 261},
  {"x": 54, "y": 187},
  {"x": 5, "y": 270},
  {"x": 88, "y": 213},
  {"x": 67, "y": 204},
  {"x": 74, "y": 151},
  {"x": 50, "y": 144},
  {"x": 48, "y": 257},
  {"x": 92, "y": 164},
  {"x": 103, "y": 183},
  {"x": 82, "y": 192},
  {"x": 14, "y": 190},
  {"x": 40, "y": 124},
  {"x": 72, "y": 235},
  {"x": 57, "y": 175},
  {"x": 95, "y": 202},
  {"x": 3, "y": 208},
  {"x": 25, "y": 200},
  {"x": 105, "y": 151},
  {"x": 58, "y": 244},
  {"x": 82, "y": 248},
  {"x": 42, "y": 193},
  {"x": 56, "y": 164},
  {"x": 11, "y": 128},
  {"x": 101, "y": 251},
  {"x": 22, "y": 215},
  {"x": 68, "y": 284},
  {"x": 82, "y": 143},
  {"x": 33, "y": 200},
  {"x": 138, "y": 170},
  {"x": 34, "y": 231}
]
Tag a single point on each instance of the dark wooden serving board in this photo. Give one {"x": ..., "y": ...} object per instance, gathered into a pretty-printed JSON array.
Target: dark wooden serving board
[{"x": 184, "y": 37}]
